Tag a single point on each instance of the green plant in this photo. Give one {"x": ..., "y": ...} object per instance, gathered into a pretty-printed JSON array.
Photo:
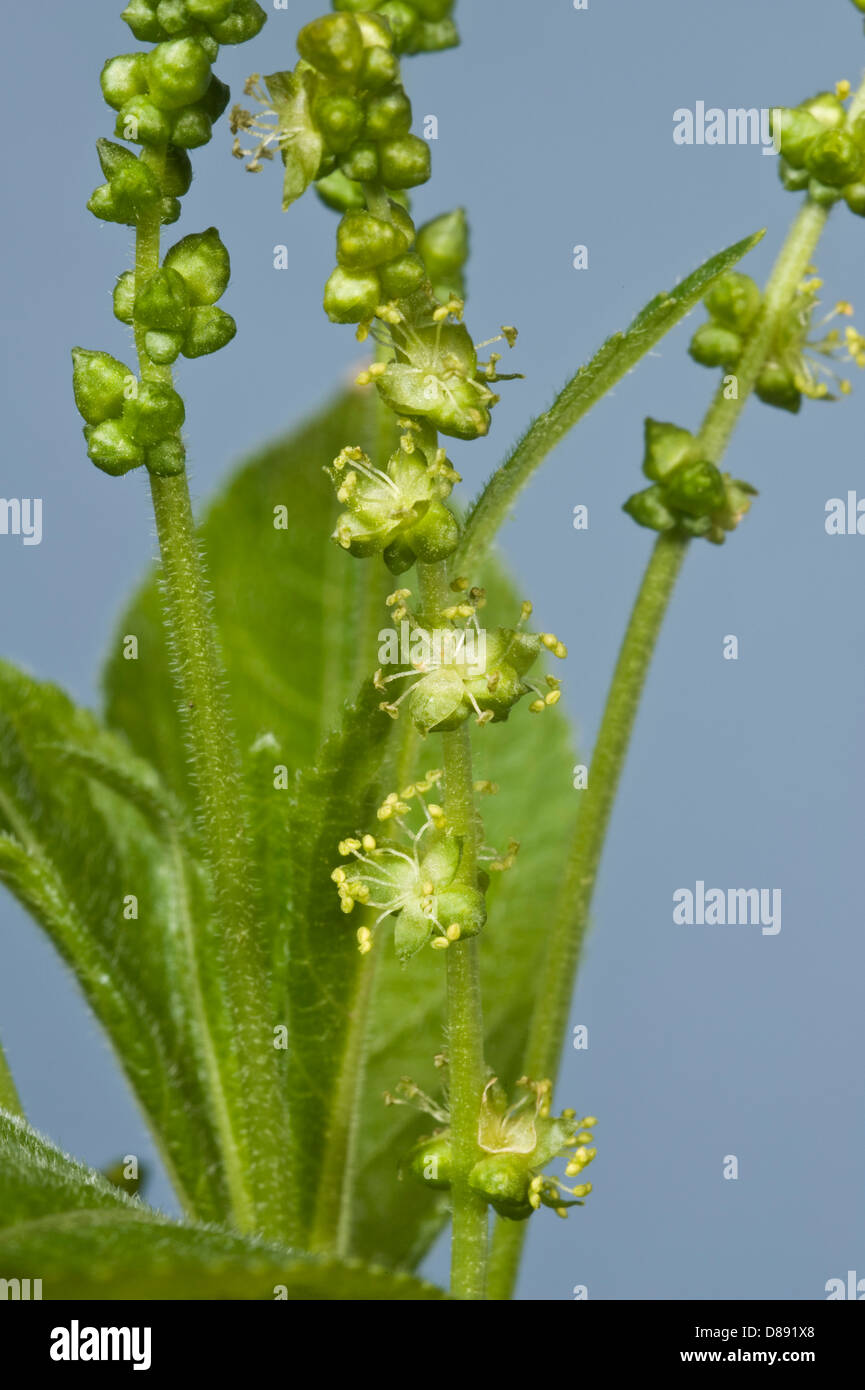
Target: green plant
[{"x": 257, "y": 1024}]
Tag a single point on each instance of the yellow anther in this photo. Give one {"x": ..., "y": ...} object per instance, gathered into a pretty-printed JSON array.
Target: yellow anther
[
  {"x": 560, "y": 650},
  {"x": 843, "y": 89},
  {"x": 440, "y": 943},
  {"x": 526, "y": 610},
  {"x": 427, "y": 889},
  {"x": 590, "y": 1122},
  {"x": 454, "y": 932},
  {"x": 552, "y": 697},
  {"x": 365, "y": 947},
  {"x": 486, "y": 718},
  {"x": 393, "y": 713},
  {"x": 364, "y": 934},
  {"x": 845, "y": 308},
  {"x": 338, "y": 876},
  {"x": 537, "y": 707},
  {"x": 510, "y": 334},
  {"x": 460, "y": 584},
  {"x": 347, "y": 905},
  {"x": 368, "y": 842},
  {"x": 561, "y": 1211},
  {"x": 583, "y": 1190}
]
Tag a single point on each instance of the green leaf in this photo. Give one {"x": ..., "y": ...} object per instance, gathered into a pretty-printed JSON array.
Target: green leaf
[
  {"x": 75, "y": 851},
  {"x": 619, "y": 355},
  {"x": 65, "y": 1224},
  {"x": 300, "y": 140}
]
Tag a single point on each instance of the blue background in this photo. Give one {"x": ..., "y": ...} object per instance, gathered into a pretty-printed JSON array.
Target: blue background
[{"x": 555, "y": 128}]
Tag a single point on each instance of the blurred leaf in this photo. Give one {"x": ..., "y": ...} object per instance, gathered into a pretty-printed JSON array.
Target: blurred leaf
[{"x": 37, "y": 1179}]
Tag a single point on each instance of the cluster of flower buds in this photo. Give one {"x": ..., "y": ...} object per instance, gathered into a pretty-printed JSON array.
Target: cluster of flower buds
[
  {"x": 516, "y": 1142},
  {"x": 464, "y": 671},
  {"x": 688, "y": 493},
  {"x": 176, "y": 306},
  {"x": 129, "y": 422},
  {"x": 399, "y": 510},
  {"x": 166, "y": 96},
  {"x": 822, "y": 150},
  {"x": 418, "y": 26},
  {"x": 799, "y": 358},
  {"x": 211, "y": 22},
  {"x": 413, "y": 876}
]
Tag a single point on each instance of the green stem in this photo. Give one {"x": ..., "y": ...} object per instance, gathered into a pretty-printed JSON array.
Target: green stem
[
  {"x": 10, "y": 1101},
  {"x": 569, "y": 924},
  {"x": 465, "y": 1025},
  {"x": 260, "y": 1190}
]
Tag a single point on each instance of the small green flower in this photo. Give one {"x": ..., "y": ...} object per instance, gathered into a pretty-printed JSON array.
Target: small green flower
[
  {"x": 399, "y": 511},
  {"x": 443, "y": 244},
  {"x": 688, "y": 493}
]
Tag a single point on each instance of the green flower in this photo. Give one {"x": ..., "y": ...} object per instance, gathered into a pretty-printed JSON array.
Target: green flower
[
  {"x": 398, "y": 511},
  {"x": 688, "y": 492}
]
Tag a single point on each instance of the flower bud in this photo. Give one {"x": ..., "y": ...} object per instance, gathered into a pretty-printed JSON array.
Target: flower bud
[
  {"x": 775, "y": 386},
  {"x": 734, "y": 301},
  {"x": 339, "y": 192},
  {"x": 174, "y": 170},
  {"x": 169, "y": 211},
  {"x": 163, "y": 302},
  {"x": 433, "y": 10},
  {"x": 435, "y": 537},
  {"x": 503, "y": 1179},
  {"x": 388, "y": 115},
  {"x": 123, "y": 78},
  {"x": 210, "y": 329},
  {"x": 649, "y": 509},
  {"x": 794, "y": 130},
  {"x": 203, "y": 261},
  {"x": 827, "y": 108},
  {"x": 141, "y": 121},
  {"x": 166, "y": 459},
  {"x": 404, "y": 162},
  {"x": 245, "y": 21},
  {"x": 854, "y": 196},
  {"x": 99, "y": 382},
  {"x": 174, "y": 17},
  {"x": 163, "y": 348},
  {"x": 444, "y": 245},
  {"x": 714, "y": 346},
  {"x": 379, "y": 68},
  {"x": 209, "y": 11},
  {"x": 111, "y": 449},
  {"x": 364, "y": 241},
  {"x": 191, "y": 128},
  {"x": 433, "y": 38},
  {"x": 402, "y": 276},
  {"x": 340, "y": 118},
  {"x": 835, "y": 159},
  {"x": 696, "y": 488},
  {"x": 333, "y": 45},
  {"x": 361, "y": 162},
  {"x": 352, "y": 296},
  {"x": 402, "y": 18},
  {"x": 141, "y": 17},
  {"x": 124, "y": 297},
  {"x": 178, "y": 73},
  {"x": 667, "y": 446},
  {"x": 154, "y": 412},
  {"x": 431, "y": 1162},
  {"x": 794, "y": 180}
]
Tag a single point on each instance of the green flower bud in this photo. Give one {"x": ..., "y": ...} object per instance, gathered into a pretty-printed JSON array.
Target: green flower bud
[
  {"x": 667, "y": 447},
  {"x": 649, "y": 509},
  {"x": 340, "y": 119},
  {"x": 173, "y": 16},
  {"x": 210, "y": 329},
  {"x": 216, "y": 98},
  {"x": 402, "y": 276},
  {"x": 404, "y": 162},
  {"x": 714, "y": 346},
  {"x": 99, "y": 382},
  {"x": 166, "y": 459},
  {"x": 154, "y": 412},
  {"x": 247, "y": 19},
  {"x": 835, "y": 159},
  {"x": 435, "y": 537},
  {"x": 339, "y": 192},
  {"x": 503, "y": 1179},
  {"x": 111, "y": 449},
  {"x": 140, "y": 121},
  {"x": 734, "y": 301},
  {"x": 798, "y": 129},
  {"x": 433, "y": 38},
  {"x": 431, "y": 1162},
  {"x": 361, "y": 162},
  {"x": 854, "y": 196},
  {"x": 433, "y": 10},
  {"x": 388, "y": 114},
  {"x": 101, "y": 203},
  {"x": 333, "y": 45},
  {"x": 163, "y": 348},
  {"x": 402, "y": 18},
  {"x": 775, "y": 386},
  {"x": 379, "y": 68},
  {"x": 124, "y": 297},
  {"x": 823, "y": 193},
  {"x": 203, "y": 261},
  {"x": 169, "y": 211},
  {"x": 352, "y": 296},
  {"x": 794, "y": 180},
  {"x": 364, "y": 241},
  {"x": 827, "y": 108},
  {"x": 140, "y": 15},
  {"x": 696, "y": 488},
  {"x": 178, "y": 73},
  {"x": 191, "y": 128},
  {"x": 175, "y": 169},
  {"x": 209, "y": 11},
  {"x": 163, "y": 302},
  {"x": 444, "y": 245},
  {"x": 123, "y": 78}
]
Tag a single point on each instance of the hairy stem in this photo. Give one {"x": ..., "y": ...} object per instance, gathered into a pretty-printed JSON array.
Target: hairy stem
[
  {"x": 465, "y": 1024},
  {"x": 569, "y": 925},
  {"x": 10, "y": 1101},
  {"x": 260, "y": 1190}
]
